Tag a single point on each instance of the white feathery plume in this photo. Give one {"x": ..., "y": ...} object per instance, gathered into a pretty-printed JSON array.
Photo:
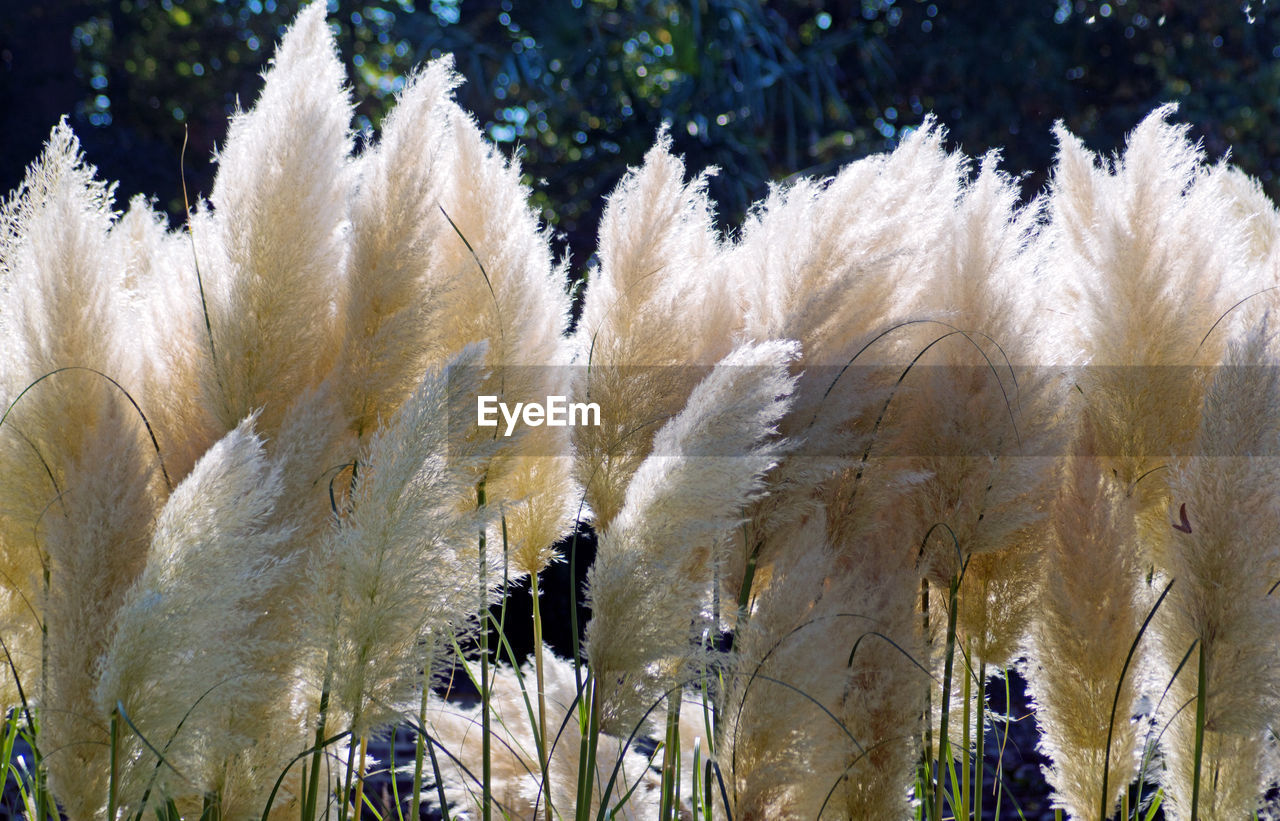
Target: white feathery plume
[
  {"x": 164, "y": 302},
  {"x": 833, "y": 264},
  {"x": 1081, "y": 639},
  {"x": 655, "y": 564},
  {"x": 272, "y": 251},
  {"x": 79, "y": 477},
  {"x": 1224, "y": 559},
  {"x": 183, "y": 666},
  {"x": 400, "y": 574},
  {"x": 1145, "y": 263},
  {"x": 977, "y": 414},
  {"x": 657, "y": 316},
  {"x": 398, "y": 293},
  {"x": 504, "y": 289}
]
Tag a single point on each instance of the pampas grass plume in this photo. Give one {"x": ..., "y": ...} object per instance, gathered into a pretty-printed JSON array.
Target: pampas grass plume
[
  {"x": 183, "y": 664},
  {"x": 654, "y": 568},
  {"x": 1084, "y": 630}
]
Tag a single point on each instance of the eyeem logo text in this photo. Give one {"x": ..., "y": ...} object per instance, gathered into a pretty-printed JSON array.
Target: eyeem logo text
[{"x": 556, "y": 412}]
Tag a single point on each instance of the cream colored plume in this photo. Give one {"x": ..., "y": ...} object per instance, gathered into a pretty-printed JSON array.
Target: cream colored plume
[
  {"x": 833, "y": 264},
  {"x": 978, "y": 415},
  {"x": 80, "y": 479},
  {"x": 163, "y": 301},
  {"x": 183, "y": 665},
  {"x": 1146, "y": 261},
  {"x": 1224, "y": 565},
  {"x": 657, "y": 315},
  {"x": 495, "y": 264},
  {"x": 272, "y": 251},
  {"x": 1085, "y": 696},
  {"x": 655, "y": 565},
  {"x": 399, "y": 294},
  {"x": 400, "y": 574}
]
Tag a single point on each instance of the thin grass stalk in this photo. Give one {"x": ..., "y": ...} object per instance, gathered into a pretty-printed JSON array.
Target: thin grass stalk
[
  {"x": 112, "y": 780},
  {"x": 359, "y": 799},
  {"x": 587, "y": 768},
  {"x": 486, "y": 755},
  {"x": 419, "y": 743},
  {"x": 311, "y": 783},
  {"x": 1106, "y": 760},
  {"x": 966, "y": 738},
  {"x": 953, "y": 795},
  {"x": 391, "y": 770},
  {"x": 435, "y": 771},
  {"x": 980, "y": 727},
  {"x": 928, "y": 790},
  {"x": 944, "y": 746},
  {"x": 542, "y": 698},
  {"x": 748, "y": 577},
  {"x": 45, "y": 805},
  {"x": 346, "y": 784},
  {"x": 999, "y": 793},
  {"x": 6, "y": 749},
  {"x": 709, "y": 797},
  {"x": 573, "y": 604},
  {"x": 695, "y": 803},
  {"x": 584, "y": 744},
  {"x": 925, "y": 787},
  {"x": 671, "y": 758},
  {"x": 1199, "y": 750}
]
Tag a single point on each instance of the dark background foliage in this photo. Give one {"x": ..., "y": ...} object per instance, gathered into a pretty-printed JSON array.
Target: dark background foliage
[{"x": 579, "y": 88}]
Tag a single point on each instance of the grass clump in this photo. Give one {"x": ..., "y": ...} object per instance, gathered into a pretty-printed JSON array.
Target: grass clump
[{"x": 899, "y": 435}]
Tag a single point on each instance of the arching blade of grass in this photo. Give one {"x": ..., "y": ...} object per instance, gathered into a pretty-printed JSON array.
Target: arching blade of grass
[
  {"x": 302, "y": 756},
  {"x": 155, "y": 444},
  {"x": 1153, "y": 744},
  {"x": 1133, "y": 647}
]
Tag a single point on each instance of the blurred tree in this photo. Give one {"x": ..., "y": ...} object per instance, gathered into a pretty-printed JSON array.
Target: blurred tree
[
  {"x": 1001, "y": 74},
  {"x": 579, "y": 88}
]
